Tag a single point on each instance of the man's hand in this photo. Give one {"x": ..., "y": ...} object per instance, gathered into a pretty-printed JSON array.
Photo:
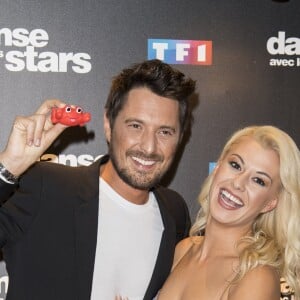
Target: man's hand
[{"x": 30, "y": 137}]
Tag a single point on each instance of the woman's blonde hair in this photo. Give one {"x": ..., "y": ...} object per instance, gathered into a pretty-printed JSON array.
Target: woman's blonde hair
[{"x": 275, "y": 239}]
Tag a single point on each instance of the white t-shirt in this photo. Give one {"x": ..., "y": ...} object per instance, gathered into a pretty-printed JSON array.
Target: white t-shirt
[{"x": 128, "y": 241}]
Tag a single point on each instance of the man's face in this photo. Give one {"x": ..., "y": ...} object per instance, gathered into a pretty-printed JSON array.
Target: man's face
[{"x": 144, "y": 138}]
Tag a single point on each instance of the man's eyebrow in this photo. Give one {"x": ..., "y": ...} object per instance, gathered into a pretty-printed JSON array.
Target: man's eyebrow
[
  {"x": 142, "y": 122},
  {"x": 133, "y": 120}
]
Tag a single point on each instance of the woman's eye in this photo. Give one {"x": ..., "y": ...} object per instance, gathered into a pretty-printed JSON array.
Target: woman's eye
[
  {"x": 259, "y": 181},
  {"x": 235, "y": 165}
]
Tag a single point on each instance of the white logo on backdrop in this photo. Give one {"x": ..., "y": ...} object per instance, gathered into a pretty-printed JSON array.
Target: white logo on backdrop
[
  {"x": 26, "y": 54},
  {"x": 70, "y": 159},
  {"x": 285, "y": 49}
]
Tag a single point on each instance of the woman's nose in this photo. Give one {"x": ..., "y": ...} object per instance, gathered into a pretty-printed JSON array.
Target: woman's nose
[{"x": 239, "y": 181}]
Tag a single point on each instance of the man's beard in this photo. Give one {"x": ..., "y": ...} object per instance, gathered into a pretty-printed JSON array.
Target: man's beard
[{"x": 137, "y": 179}]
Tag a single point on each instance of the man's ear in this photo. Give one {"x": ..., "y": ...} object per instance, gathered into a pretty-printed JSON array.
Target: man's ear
[
  {"x": 107, "y": 129},
  {"x": 270, "y": 205}
]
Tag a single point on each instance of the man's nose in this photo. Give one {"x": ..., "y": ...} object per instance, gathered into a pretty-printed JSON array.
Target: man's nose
[{"x": 148, "y": 141}]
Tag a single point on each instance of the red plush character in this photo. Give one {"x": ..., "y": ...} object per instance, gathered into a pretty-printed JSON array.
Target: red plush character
[{"x": 70, "y": 116}]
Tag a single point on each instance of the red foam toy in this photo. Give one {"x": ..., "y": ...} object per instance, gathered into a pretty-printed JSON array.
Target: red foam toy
[{"x": 70, "y": 115}]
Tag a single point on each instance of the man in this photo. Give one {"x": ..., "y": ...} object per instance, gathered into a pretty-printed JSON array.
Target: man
[{"x": 107, "y": 230}]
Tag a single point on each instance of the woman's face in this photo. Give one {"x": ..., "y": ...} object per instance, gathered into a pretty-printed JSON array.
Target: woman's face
[{"x": 246, "y": 183}]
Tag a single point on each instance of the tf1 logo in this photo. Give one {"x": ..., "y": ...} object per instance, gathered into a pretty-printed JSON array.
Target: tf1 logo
[{"x": 189, "y": 52}]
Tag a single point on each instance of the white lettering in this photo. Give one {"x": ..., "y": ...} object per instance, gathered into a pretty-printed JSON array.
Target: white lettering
[
  {"x": 30, "y": 56},
  {"x": 85, "y": 159},
  {"x": 34, "y": 61},
  {"x": 21, "y": 37},
  {"x": 38, "y": 38},
  {"x": 46, "y": 61},
  {"x": 70, "y": 159},
  {"x": 292, "y": 46},
  {"x": 280, "y": 45},
  {"x": 201, "y": 56},
  {"x": 160, "y": 50},
  {"x": 181, "y": 51},
  {"x": 82, "y": 65},
  {"x": 6, "y": 33},
  {"x": 16, "y": 63},
  {"x": 282, "y": 62},
  {"x": 49, "y": 62},
  {"x": 64, "y": 59}
]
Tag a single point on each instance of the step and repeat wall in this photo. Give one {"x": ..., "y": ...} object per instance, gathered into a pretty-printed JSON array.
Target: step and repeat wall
[{"x": 245, "y": 56}]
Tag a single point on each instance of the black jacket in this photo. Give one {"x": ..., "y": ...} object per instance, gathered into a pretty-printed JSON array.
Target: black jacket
[{"x": 48, "y": 232}]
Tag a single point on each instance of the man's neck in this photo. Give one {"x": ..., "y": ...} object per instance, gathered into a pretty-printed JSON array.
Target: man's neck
[{"x": 131, "y": 194}]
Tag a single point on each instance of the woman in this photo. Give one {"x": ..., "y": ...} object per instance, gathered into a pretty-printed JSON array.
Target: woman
[{"x": 250, "y": 214}]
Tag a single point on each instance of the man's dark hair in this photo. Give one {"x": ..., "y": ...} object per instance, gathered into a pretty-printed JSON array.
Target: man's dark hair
[{"x": 161, "y": 79}]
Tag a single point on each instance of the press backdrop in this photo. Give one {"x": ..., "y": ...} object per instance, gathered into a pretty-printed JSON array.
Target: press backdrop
[{"x": 245, "y": 56}]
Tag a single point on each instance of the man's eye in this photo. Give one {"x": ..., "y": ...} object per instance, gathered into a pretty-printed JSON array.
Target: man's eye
[
  {"x": 235, "y": 165},
  {"x": 166, "y": 132},
  {"x": 259, "y": 181},
  {"x": 135, "y": 126}
]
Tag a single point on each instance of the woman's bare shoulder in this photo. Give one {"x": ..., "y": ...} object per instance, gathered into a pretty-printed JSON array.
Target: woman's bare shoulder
[
  {"x": 261, "y": 283},
  {"x": 183, "y": 247}
]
